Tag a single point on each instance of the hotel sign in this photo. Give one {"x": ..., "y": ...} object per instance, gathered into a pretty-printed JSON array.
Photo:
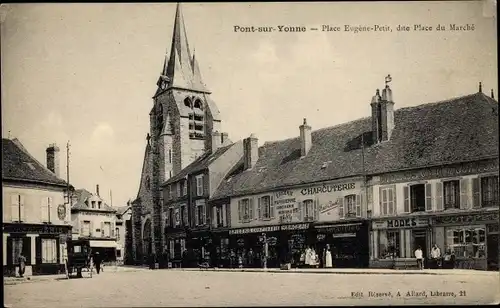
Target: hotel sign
[
  {"x": 440, "y": 172},
  {"x": 269, "y": 229},
  {"x": 412, "y": 222},
  {"x": 467, "y": 218}
]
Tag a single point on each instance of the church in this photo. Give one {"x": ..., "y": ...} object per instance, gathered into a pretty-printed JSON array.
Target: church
[{"x": 182, "y": 121}]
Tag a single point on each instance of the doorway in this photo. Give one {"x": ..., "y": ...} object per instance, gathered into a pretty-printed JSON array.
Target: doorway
[
  {"x": 420, "y": 240},
  {"x": 492, "y": 252}
]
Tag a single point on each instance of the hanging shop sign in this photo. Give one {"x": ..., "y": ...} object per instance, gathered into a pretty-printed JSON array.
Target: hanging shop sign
[
  {"x": 466, "y": 218},
  {"x": 340, "y": 229},
  {"x": 440, "y": 172},
  {"x": 269, "y": 229},
  {"x": 412, "y": 222},
  {"x": 61, "y": 211}
]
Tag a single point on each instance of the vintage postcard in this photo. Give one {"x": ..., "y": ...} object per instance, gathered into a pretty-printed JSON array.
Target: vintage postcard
[{"x": 250, "y": 154}]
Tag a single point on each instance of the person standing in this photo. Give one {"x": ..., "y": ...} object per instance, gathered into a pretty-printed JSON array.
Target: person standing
[
  {"x": 328, "y": 257},
  {"x": 22, "y": 265},
  {"x": 97, "y": 262},
  {"x": 435, "y": 255},
  {"x": 419, "y": 257}
]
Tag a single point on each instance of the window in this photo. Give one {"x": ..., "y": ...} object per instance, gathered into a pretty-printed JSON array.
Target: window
[
  {"x": 17, "y": 248},
  {"x": 17, "y": 208},
  {"x": 265, "y": 207},
  {"x": 200, "y": 214},
  {"x": 183, "y": 216},
  {"x": 466, "y": 241},
  {"x": 199, "y": 185},
  {"x": 99, "y": 203},
  {"x": 106, "y": 230},
  {"x": 46, "y": 208},
  {"x": 117, "y": 232},
  {"x": 170, "y": 156},
  {"x": 451, "y": 194},
  {"x": 172, "y": 191},
  {"x": 388, "y": 243},
  {"x": 86, "y": 228},
  {"x": 417, "y": 193},
  {"x": 218, "y": 217},
  {"x": 178, "y": 185},
  {"x": 171, "y": 217},
  {"x": 387, "y": 200},
  {"x": 177, "y": 217},
  {"x": 118, "y": 253},
  {"x": 184, "y": 188},
  {"x": 245, "y": 210},
  {"x": 308, "y": 208},
  {"x": 49, "y": 250},
  {"x": 93, "y": 204},
  {"x": 171, "y": 248},
  {"x": 350, "y": 206},
  {"x": 489, "y": 191}
]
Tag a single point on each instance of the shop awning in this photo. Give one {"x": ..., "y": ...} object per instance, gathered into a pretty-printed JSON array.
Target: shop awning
[{"x": 103, "y": 244}]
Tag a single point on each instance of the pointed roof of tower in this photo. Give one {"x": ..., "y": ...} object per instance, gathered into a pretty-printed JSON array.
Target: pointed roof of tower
[{"x": 182, "y": 69}]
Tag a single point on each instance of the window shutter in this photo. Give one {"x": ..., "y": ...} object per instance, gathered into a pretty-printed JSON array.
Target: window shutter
[
  {"x": 394, "y": 199},
  {"x": 112, "y": 231},
  {"x": 406, "y": 192},
  {"x": 464, "y": 194},
  {"x": 439, "y": 196},
  {"x": 340, "y": 202},
  {"x": 358, "y": 205},
  {"x": 102, "y": 229},
  {"x": 196, "y": 219},
  {"x": 380, "y": 201},
  {"x": 316, "y": 209},
  {"x": 204, "y": 213},
  {"x": 259, "y": 208},
  {"x": 14, "y": 207},
  {"x": 224, "y": 215},
  {"x": 387, "y": 195},
  {"x": 44, "y": 209},
  {"x": 250, "y": 210},
  {"x": 271, "y": 206},
  {"x": 214, "y": 216},
  {"x": 49, "y": 208},
  {"x": 239, "y": 211},
  {"x": 428, "y": 197},
  {"x": 22, "y": 217},
  {"x": 81, "y": 228},
  {"x": 476, "y": 200}
]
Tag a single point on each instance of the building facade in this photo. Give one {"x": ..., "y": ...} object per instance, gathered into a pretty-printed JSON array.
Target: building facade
[
  {"x": 123, "y": 234},
  {"x": 182, "y": 121},
  {"x": 36, "y": 211},
  {"x": 95, "y": 221},
  {"x": 187, "y": 214}
]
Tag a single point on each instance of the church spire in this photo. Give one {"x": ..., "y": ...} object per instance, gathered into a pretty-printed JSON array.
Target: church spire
[{"x": 181, "y": 68}]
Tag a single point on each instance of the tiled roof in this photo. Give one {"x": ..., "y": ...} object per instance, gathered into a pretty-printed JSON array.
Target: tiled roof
[
  {"x": 199, "y": 164},
  {"x": 120, "y": 210},
  {"x": 456, "y": 130},
  {"x": 82, "y": 195},
  {"x": 18, "y": 164}
]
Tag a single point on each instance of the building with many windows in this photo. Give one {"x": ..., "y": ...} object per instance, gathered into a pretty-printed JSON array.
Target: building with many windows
[
  {"x": 35, "y": 208},
  {"x": 95, "y": 221},
  {"x": 123, "y": 234},
  {"x": 374, "y": 189}
]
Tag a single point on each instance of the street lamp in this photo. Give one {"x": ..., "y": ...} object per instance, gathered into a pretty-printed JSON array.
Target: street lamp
[{"x": 265, "y": 246}]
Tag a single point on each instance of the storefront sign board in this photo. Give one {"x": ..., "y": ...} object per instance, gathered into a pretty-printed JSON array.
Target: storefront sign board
[
  {"x": 269, "y": 229},
  {"x": 466, "y": 218},
  {"x": 40, "y": 229},
  {"x": 400, "y": 223},
  {"x": 339, "y": 228}
]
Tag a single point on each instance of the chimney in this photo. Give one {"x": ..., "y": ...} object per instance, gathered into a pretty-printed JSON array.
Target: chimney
[
  {"x": 305, "y": 138},
  {"x": 216, "y": 141},
  {"x": 480, "y": 87},
  {"x": 376, "y": 116},
  {"x": 386, "y": 114},
  {"x": 492, "y": 94},
  {"x": 250, "y": 151},
  {"x": 97, "y": 190},
  {"x": 53, "y": 159},
  {"x": 224, "y": 139}
]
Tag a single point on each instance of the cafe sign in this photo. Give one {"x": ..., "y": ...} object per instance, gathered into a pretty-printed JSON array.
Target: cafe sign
[
  {"x": 467, "y": 218},
  {"x": 269, "y": 229},
  {"x": 400, "y": 223}
]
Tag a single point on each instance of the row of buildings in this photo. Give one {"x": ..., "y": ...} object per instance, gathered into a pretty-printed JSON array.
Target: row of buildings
[
  {"x": 373, "y": 189},
  {"x": 41, "y": 212}
]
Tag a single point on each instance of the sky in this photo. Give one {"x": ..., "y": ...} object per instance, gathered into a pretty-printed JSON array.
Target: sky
[{"x": 85, "y": 73}]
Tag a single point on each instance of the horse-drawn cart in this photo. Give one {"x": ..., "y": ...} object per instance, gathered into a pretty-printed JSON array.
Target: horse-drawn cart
[{"x": 79, "y": 258}]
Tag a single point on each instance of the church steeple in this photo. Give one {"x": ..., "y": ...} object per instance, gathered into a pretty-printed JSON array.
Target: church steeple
[{"x": 181, "y": 70}]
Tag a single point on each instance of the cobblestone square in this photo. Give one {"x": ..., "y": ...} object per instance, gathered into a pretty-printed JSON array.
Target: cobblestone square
[{"x": 208, "y": 288}]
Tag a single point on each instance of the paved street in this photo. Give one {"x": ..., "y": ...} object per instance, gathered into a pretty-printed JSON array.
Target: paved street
[{"x": 208, "y": 288}]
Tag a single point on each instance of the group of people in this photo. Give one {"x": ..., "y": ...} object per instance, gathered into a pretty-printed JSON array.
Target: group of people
[
  {"x": 311, "y": 259},
  {"x": 446, "y": 261}
]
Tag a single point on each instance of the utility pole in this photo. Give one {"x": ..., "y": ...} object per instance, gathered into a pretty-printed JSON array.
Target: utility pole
[{"x": 67, "y": 174}]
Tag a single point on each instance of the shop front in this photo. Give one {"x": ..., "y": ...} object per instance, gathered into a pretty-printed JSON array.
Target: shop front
[
  {"x": 105, "y": 248},
  {"x": 348, "y": 242},
  {"x": 393, "y": 241},
  {"x": 43, "y": 246},
  {"x": 200, "y": 248},
  {"x": 472, "y": 237},
  {"x": 282, "y": 244},
  {"x": 176, "y": 245}
]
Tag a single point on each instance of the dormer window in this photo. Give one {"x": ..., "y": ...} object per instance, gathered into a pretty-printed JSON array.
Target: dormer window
[
  {"x": 99, "y": 204},
  {"x": 93, "y": 204}
]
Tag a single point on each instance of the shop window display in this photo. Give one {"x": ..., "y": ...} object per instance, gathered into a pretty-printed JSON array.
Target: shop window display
[
  {"x": 467, "y": 242},
  {"x": 389, "y": 243}
]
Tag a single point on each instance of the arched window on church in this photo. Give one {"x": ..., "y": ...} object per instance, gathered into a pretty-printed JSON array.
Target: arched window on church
[
  {"x": 170, "y": 155},
  {"x": 187, "y": 102},
  {"x": 198, "y": 104}
]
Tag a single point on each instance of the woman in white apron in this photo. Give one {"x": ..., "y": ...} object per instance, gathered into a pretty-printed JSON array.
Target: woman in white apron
[{"x": 328, "y": 257}]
